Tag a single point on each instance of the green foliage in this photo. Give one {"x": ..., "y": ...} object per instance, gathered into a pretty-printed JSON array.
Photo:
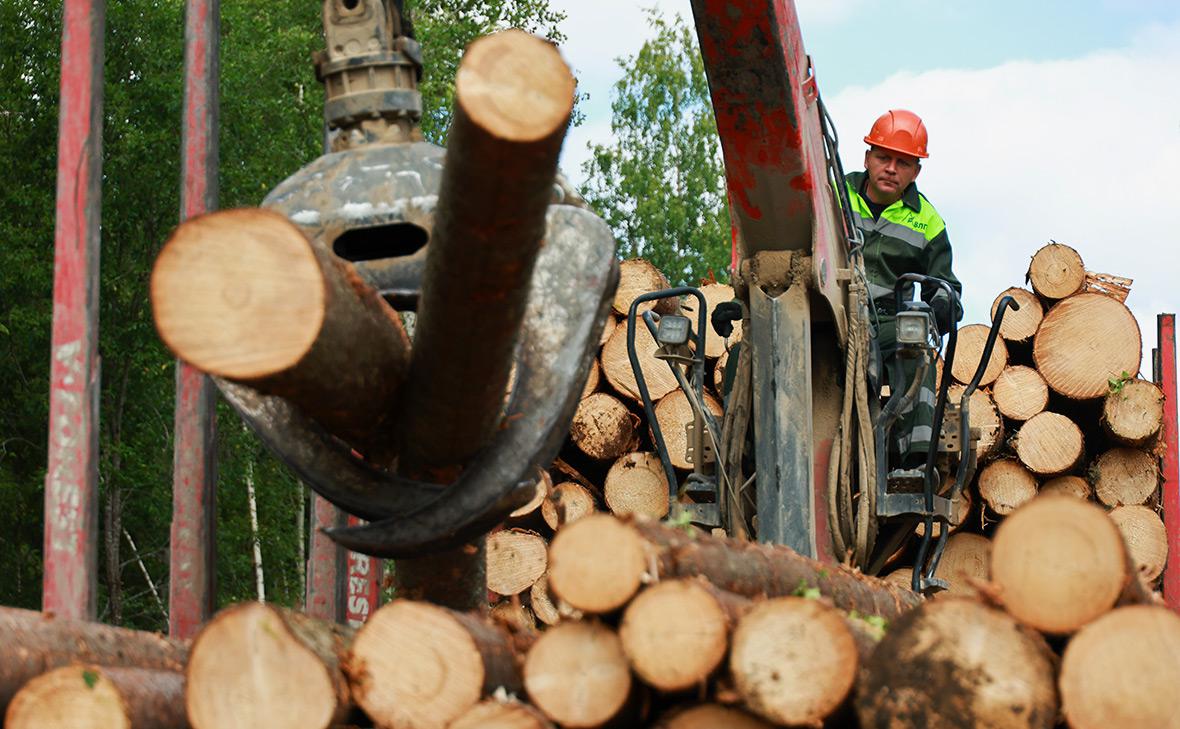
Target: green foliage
[
  {"x": 806, "y": 591},
  {"x": 660, "y": 183},
  {"x": 90, "y": 678},
  {"x": 1116, "y": 384}
]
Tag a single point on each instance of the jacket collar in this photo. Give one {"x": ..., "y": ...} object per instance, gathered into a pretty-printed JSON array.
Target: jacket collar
[{"x": 909, "y": 197}]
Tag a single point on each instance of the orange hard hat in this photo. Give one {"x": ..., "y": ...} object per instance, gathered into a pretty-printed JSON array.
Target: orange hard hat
[{"x": 901, "y": 131}]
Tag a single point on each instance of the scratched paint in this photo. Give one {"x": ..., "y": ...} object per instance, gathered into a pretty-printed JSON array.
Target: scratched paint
[{"x": 363, "y": 589}]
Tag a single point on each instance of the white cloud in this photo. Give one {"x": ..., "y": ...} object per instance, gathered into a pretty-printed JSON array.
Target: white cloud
[{"x": 1084, "y": 151}]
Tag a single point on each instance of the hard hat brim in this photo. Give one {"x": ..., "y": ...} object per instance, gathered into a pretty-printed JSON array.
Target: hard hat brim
[{"x": 906, "y": 152}]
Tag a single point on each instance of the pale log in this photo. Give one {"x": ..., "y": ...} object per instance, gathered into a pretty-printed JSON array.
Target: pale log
[
  {"x": 1146, "y": 538},
  {"x": 405, "y": 642},
  {"x": 577, "y": 675},
  {"x": 636, "y": 484},
  {"x": 616, "y": 364},
  {"x": 957, "y": 663},
  {"x": 598, "y": 563},
  {"x": 1020, "y": 393},
  {"x": 256, "y": 664},
  {"x": 567, "y": 502},
  {"x": 637, "y": 276},
  {"x": 1133, "y": 413},
  {"x": 1122, "y": 671},
  {"x": 674, "y": 414},
  {"x": 516, "y": 559},
  {"x": 965, "y": 561},
  {"x": 1084, "y": 343},
  {"x": 543, "y": 486},
  {"x": 711, "y": 716},
  {"x": 676, "y": 633},
  {"x": 960, "y": 505},
  {"x": 515, "y": 616},
  {"x": 1125, "y": 476},
  {"x": 497, "y": 714},
  {"x": 244, "y": 295},
  {"x": 1072, "y": 485},
  {"x": 984, "y": 417},
  {"x": 593, "y": 377},
  {"x": 715, "y": 293},
  {"x": 1116, "y": 287},
  {"x": 603, "y": 428},
  {"x": 32, "y": 643},
  {"x": 1021, "y": 324},
  {"x": 1056, "y": 271},
  {"x": 1049, "y": 444},
  {"x": 1059, "y": 562},
  {"x": 719, "y": 373},
  {"x": 548, "y": 610},
  {"x": 87, "y": 696},
  {"x": 1005, "y": 485},
  {"x": 969, "y": 353}
]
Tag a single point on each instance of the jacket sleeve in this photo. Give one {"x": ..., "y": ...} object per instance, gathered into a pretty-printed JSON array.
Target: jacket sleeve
[{"x": 938, "y": 265}]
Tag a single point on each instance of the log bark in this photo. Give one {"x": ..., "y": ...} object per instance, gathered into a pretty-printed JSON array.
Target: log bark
[
  {"x": 719, "y": 374},
  {"x": 513, "y": 99},
  {"x": 1059, "y": 562},
  {"x": 497, "y": 714},
  {"x": 244, "y": 295},
  {"x": 1049, "y": 444},
  {"x": 1121, "y": 670},
  {"x": 603, "y": 428},
  {"x": 636, "y": 484},
  {"x": 1125, "y": 476},
  {"x": 965, "y": 561},
  {"x": 1075, "y": 486},
  {"x": 1133, "y": 413},
  {"x": 711, "y": 716},
  {"x": 517, "y": 618},
  {"x": 516, "y": 559},
  {"x": 638, "y": 276},
  {"x": 1020, "y": 393},
  {"x": 1146, "y": 538},
  {"x": 32, "y": 643},
  {"x": 674, "y": 414},
  {"x": 577, "y": 675},
  {"x": 969, "y": 353},
  {"x": 1116, "y": 287},
  {"x": 1019, "y": 325},
  {"x": 1084, "y": 343},
  {"x": 794, "y": 660},
  {"x": 598, "y": 563},
  {"x": 676, "y": 634},
  {"x": 258, "y": 664},
  {"x": 958, "y": 664},
  {"x": 1006, "y": 485},
  {"x": 567, "y": 502},
  {"x": 616, "y": 365},
  {"x": 715, "y": 293},
  {"x": 1056, "y": 271},
  {"x": 85, "y": 695},
  {"x": 984, "y": 417},
  {"x": 418, "y": 665}
]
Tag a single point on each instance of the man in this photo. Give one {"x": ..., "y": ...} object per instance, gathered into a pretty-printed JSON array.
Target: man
[{"x": 903, "y": 233}]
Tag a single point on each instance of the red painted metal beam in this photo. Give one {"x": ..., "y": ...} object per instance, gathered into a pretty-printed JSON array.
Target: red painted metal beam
[
  {"x": 69, "y": 586},
  {"x": 326, "y": 565},
  {"x": 364, "y": 584},
  {"x": 194, "y": 466},
  {"x": 1166, "y": 378}
]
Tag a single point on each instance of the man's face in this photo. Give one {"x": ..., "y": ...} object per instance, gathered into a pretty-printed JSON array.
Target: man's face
[{"x": 890, "y": 173}]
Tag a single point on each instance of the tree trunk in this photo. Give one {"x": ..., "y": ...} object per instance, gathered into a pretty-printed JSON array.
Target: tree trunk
[
  {"x": 794, "y": 660},
  {"x": 415, "y": 664},
  {"x": 94, "y": 696},
  {"x": 674, "y": 414},
  {"x": 1019, "y": 325},
  {"x": 969, "y": 353},
  {"x": 598, "y": 563},
  {"x": 255, "y": 665},
  {"x": 715, "y": 293},
  {"x": 567, "y": 502},
  {"x": 711, "y": 716},
  {"x": 255, "y": 539},
  {"x": 516, "y": 559},
  {"x": 244, "y": 295},
  {"x": 1146, "y": 538},
  {"x": 147, "y": 577},
  {"x": 1020, "y": 393},
  {"x": 1049, "y": 444},
  {"x": 1005, "y": 485},
  {"x": 32, "y": 643},
  {"x": 603, "y": 428},
  {"x": 1056, "y": 271},
  {"x": 1121, "y": 671},
  {"x": 676, "y": 633},
  {"x": 616, "y": 364},
  {"x": 1072, "y": 485},
  {"x": 501, "y": 714},
  {"x": 985, "y": 417},
  {"x": 1134, "y": 412},
  {"x": 958, "y": 664},
  {"x": 1125, "y": 476},
  {"x": 965, "y": 561},
  {"x": 1059, "y": 563},
  {"x": 576, "y": 673},
  {"x": 636, "y": 484},
  {"x": 1084, "y": 343},
  {"x": 637, "y": 277}
]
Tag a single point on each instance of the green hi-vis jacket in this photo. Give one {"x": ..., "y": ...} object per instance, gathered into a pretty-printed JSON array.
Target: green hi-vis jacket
[{"x": 909, "y": 237}]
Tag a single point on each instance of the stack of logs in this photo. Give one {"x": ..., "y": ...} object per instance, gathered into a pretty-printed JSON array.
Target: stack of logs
[{"x": 659, "y": 625}]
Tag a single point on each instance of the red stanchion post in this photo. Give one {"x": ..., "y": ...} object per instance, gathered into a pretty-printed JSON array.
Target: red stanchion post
[{"x": 1166, "y": 379}]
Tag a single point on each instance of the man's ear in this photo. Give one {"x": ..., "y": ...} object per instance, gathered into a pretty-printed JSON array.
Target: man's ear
[
  {"x": 867, "y": 153},
  {"x": 919, "y": 166}
]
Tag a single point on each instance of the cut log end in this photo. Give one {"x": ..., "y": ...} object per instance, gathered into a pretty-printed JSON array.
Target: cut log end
[
  {"x": 603, "y": 428},
  {"x": 1075, "y": 486},
  {"x": 1049, "y": 444},
  {"x": 984, "y": 417},
  {"x": 1125, "y": 476},
  {"x": 714, "y": 293},
  {"x": 1084, "y": 343},
  {"x": 596, "y": 564},
  {"x": 637, "y": 277},
  {"x": 711, "y": 716},
  {"x": 496, "y": 714},
  {"x": 674, "y": 414},
  {"x": 969, "y": 353},
  {"x": 1056, "y": 271},
  {"x": 636, "y": 484},
  {"x": 515, "y": 560},
  {"x": 966, "y": 559},
  {"x": 567, "y": 502},
  {"x": 93, "y": 697},
  {"x": 1146, "y": 538},
  {"x": 1134, "y": 412},
  {"x": 515, "y": 86},
  {"x": 577, "y": 675},
  {"x": 1021, "y": 324},
  {"x": 1005, "y": 485},
  {"x": 616, "y": 364},
  {"x": 1020, "y": 393}
]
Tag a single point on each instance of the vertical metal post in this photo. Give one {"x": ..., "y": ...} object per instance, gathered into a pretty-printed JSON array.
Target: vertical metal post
[
  {"x": 71, "y": 483},
  {"x": 364, "y": 584},
  {"x": 1166, "y": 378},
  {"x": 194, "y": 466},
  {"x": 325, "y": 565}
]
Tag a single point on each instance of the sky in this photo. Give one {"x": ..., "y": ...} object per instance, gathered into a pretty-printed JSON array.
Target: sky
[{"x": 1047, "y": 120}]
